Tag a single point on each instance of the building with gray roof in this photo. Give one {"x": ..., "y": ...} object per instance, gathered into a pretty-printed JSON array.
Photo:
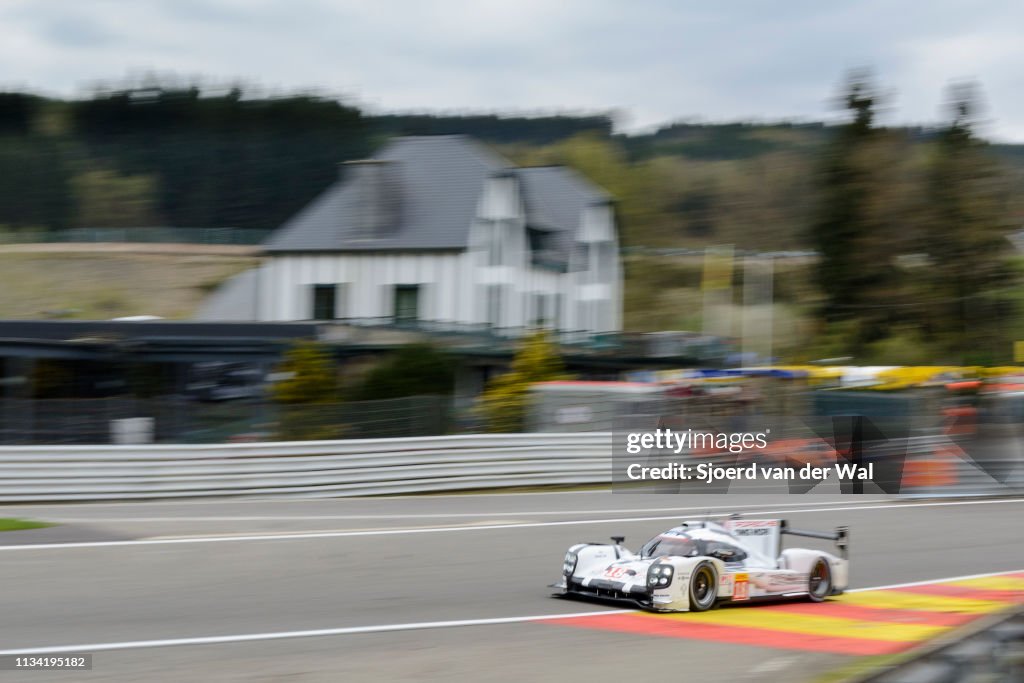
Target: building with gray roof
[{"x": 439, "y": 230}]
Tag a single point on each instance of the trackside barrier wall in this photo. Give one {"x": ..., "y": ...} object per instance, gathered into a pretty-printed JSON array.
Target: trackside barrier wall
[
  {"x": 363, "y": 467},
  {"x": 303, "y": 469}
]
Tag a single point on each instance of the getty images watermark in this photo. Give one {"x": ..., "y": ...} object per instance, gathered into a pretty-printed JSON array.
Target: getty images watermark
[
  {"x": 700, "y": 442},
  {"x": 711, "y": 458}
]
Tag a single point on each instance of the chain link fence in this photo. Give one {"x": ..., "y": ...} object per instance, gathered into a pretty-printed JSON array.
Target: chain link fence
[{"x": 174, "y": 420}]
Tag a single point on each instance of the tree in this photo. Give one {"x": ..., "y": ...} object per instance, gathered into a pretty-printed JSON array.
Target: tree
[
  {"x": 108, "y": 200},
  {"x": 843, "y": 195},
  {"x": 309, "y": 394},
  {"x": 503, "y": 403},
  {"x": 860, "y": 222},
  {"x": 413, "y": 370},
  {"x": 35, "y": 182},
  {"x": 966, "y": 237},
  {"x": 310, "y": 373},
  {"x": 224, "y": 159}
]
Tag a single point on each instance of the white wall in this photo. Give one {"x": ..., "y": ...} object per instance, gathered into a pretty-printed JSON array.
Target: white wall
[
  {"x": 369, "y": 279},
  {"x": 454, "y": 285}
]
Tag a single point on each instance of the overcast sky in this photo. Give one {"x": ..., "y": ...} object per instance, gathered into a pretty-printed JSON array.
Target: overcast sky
[{"x": 652, "y": 61}]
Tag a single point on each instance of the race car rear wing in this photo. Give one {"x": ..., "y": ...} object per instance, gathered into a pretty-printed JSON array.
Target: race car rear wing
[
  {"x": 765, "y": 535},
  {"x": 841, "y": 536}
]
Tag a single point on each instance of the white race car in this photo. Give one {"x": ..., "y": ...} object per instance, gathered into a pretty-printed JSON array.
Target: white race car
[{"x": 698, "y": 564}]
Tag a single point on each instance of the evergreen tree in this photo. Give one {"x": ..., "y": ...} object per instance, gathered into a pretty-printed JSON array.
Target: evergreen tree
[
  {"x": 859, "y": 227},
  {"x": 966, "y": 243},
  {"x": 844, "y": 187}
]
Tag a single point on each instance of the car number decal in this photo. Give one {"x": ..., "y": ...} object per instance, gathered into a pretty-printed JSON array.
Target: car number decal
[{"x": 741, "y": 587}]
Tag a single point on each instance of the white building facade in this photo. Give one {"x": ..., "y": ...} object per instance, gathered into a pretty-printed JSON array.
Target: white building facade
[{"x": 439, "y": 231}]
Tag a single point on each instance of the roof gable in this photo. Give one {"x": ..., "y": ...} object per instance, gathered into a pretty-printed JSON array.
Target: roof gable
[{"x": 433, "y": 188}]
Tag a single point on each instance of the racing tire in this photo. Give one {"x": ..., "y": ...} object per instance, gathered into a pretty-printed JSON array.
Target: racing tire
[
  {"x": 703, "y": 587},
  {"x": 819, "y": 582}
]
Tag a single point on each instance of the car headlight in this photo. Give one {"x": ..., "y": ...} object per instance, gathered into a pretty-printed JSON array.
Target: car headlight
[
  {"x": 659, "y": 575},
  {"x": 569, "y": 565}
]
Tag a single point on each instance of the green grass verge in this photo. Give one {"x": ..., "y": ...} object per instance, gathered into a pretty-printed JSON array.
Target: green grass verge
[{"x": 13, "y": 524}]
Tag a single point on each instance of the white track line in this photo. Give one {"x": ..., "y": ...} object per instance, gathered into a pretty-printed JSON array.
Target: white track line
[
  {"x": 230, "y": 500},
  {"x": 383, "y": 628},
  {"x": 351, "y": 630},
  {"x": 436, "y": 515},
  {"x": 928, "y": 582},
  {"x": 449, "y": 529}
]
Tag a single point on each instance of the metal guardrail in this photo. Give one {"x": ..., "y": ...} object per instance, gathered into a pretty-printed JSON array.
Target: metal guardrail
[
  {"x": 352, "y": 467},
  {"x": 302, "y": 469}
]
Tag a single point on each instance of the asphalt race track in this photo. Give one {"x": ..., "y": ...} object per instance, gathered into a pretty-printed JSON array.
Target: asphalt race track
[{"x": 454, "y": 588}]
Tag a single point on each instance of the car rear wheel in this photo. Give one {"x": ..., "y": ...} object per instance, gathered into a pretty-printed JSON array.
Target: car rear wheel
[
  {"x": 819, "y": 583},
  {"x": 703, "y": 587}
]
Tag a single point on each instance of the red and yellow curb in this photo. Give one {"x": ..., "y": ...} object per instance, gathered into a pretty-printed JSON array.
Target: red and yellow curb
[{"x": 871, "y": 622}]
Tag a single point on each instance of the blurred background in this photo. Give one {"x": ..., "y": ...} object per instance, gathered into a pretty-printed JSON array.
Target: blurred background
[
  {"x": 823, "y": 188},
  {"x": 333, "y": 249}
]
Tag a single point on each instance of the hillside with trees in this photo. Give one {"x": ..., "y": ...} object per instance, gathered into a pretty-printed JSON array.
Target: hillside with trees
[
  {"x": 909, "y": 224},
  {"x": 182, "y": 157}
]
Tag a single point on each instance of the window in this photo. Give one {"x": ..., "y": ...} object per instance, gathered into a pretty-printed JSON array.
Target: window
[
  {"x": 539, "y": 312},
  {"x": 407, "y": 303},
  {"x": 669, "y": 544},
  {"x": 538, "y": 240},
  {"x": 324, "y": 300},
  {"x": 544, "y": 251},
  {"x": 497, "y": 250},
  {"x": 604, "y": 261},
  {"x": 723, "y": 551}
]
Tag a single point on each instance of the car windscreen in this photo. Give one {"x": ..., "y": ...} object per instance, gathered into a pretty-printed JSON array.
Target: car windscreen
[{"x": 660, "y": 546}]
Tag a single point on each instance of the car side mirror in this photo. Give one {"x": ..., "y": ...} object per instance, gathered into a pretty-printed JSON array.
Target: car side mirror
[
  {"x": 618, "y": 540},
  {"x": 723, "y": 554}
]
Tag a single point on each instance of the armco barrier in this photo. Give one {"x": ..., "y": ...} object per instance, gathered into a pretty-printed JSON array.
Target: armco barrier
[
  {"x": 364, "y": 467},
  {"x": 302, "y": 469}
]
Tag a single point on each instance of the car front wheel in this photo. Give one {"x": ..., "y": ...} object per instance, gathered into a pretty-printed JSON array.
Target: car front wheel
[{"x": 703, "y": 587}]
